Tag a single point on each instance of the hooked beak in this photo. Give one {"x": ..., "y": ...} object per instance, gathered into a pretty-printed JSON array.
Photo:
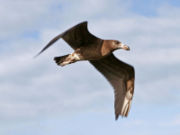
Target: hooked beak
[{"x": 123, "y": 46}]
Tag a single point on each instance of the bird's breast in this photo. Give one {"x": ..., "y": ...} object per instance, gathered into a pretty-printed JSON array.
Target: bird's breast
[{"x": 92, "y": 52}]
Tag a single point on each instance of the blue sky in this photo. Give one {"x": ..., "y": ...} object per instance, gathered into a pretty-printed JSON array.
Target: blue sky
[{"x": 38, "y": 97}]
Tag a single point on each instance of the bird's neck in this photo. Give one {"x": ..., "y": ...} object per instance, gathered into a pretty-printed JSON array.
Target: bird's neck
[{"x": 106, "y": 48}]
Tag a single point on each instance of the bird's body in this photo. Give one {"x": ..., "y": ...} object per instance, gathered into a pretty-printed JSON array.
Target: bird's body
[{"x": 99, "y": 53}]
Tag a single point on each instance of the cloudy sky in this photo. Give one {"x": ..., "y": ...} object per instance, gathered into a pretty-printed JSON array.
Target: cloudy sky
[{"x": 39, "y": 98}]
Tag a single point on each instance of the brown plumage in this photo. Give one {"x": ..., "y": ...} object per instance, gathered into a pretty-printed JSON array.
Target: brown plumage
[{"x": 99, "y": 53}]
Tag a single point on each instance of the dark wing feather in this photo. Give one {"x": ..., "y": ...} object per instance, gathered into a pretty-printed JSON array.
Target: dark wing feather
[
  {"x": 76, "y": 37},
  {"x": 50, "y": 43},
  {"x": 121, "y": 76},
  {"x": 79, "y": 36}
]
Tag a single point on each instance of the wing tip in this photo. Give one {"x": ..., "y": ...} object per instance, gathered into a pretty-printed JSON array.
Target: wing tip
[
  {"x": 37, "y": 55},
  {"x": 122, "y": 115},
  {"x": 55, "y": 39},
  {"x": 126, "y": 107},
  {"x": 117, "y": 116}
]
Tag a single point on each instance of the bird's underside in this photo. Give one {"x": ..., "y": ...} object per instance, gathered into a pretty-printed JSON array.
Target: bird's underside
[{"x": 87, "y": 47}]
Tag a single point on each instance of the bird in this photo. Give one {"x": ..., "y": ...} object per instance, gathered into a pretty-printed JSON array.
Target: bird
[{"x": 99, "y": 52}]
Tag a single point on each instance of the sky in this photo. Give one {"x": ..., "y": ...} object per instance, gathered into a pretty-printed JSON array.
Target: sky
[{"x": 38, "y": 97}]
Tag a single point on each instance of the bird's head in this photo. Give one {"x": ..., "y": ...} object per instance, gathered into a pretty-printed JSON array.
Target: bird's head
[{"x": 119, "y": 45}]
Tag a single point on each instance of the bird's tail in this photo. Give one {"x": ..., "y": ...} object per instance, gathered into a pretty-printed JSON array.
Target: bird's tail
[{"x": 61, "y": 60}]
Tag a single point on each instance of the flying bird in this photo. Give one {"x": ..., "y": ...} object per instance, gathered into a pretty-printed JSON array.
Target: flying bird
[{"x": 99, "y": 53}]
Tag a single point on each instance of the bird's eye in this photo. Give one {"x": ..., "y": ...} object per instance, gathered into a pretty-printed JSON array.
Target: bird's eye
[{"x": 117, "y": 42}]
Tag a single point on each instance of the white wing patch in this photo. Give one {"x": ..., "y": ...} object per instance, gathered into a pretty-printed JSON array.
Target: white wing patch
[{"x": 127, "y": 103}]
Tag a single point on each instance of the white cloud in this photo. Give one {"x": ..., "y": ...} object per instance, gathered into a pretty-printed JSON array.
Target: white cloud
[
  {"x": 19, "y": 16},
  {"x": 158, "y": 57},
  {"x": 164, "y": 91}
]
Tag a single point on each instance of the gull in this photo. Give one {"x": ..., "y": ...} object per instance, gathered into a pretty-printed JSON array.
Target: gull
[{"x": 99, "y": 53}]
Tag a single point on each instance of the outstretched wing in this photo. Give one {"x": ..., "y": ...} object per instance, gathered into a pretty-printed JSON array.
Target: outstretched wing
[
  {"x": 79, "y": 36},
  {"x": 76, "y": 37},
  {"x": 121, "y": 76}
]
